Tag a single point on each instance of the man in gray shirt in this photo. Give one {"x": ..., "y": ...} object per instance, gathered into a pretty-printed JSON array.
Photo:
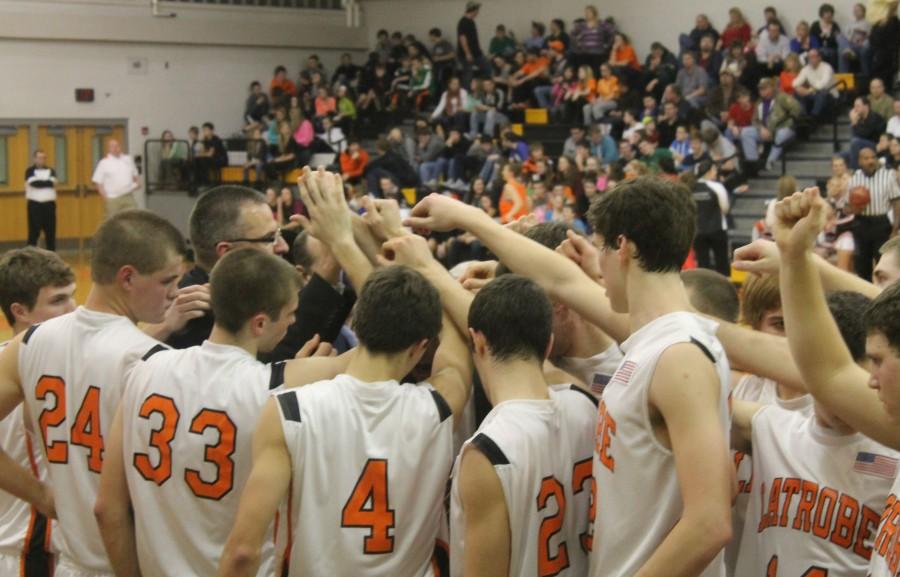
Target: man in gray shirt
[
  {"x": 692, "y": 80},
  {"x": 771, "y": 50}
]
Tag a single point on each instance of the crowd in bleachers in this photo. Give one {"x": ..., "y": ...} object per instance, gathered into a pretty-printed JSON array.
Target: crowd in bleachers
[{"x": 446, "y": 115}]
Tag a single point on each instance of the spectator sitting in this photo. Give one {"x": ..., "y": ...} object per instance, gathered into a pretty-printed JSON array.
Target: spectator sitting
[
  {"x": 313, "y": 66},
  {"x": 721, "y": 150},
  {"x": 773, "y": 122},
  {"x": 285, "y": 87},
  {"x": 420, "y": 84},
  {"x": 443, "y": 57},
  {"x": 879, "y": 100},
  {"x": 558, "y": 34},
  {"x": 737, "y": 30},
  {"x": 353, "y": 161},
  {"x": 346, "y": 110},
  {"x": 814, "y": 85},
  {"x": 256, "y": 157},
  {"x": 256, "y": 107},
  {"x": 489, "y": 112},
  {"x": 667, "y": 124},
  {"x": 172, "y": 158},
  {"x": 855, "y": 46},
  {"x": 660, "y": 70},
  {"x": 543, "y": 93},
  {"x": 502, "y": 44},
  {"x": 606, "y": 96},
  {"x": 734, "y": 61},
  {"x": 603, "y": 147},
  {"x": 770, "y": 15},
  {"x": 721, "y": 98},
  {"x": 771, "y": 50},
  {"x": 450, "y": 109},
  {"x": 681, "y": 145},
  {"x": 633, "y": 128},
  {"x": 581, "y": 94},
  {"x": 533, "y": 73},
  {"x": 331, "y": 138},
  {"x": 709, "y": 58},
  {"x": 456, "y": 148},
  {"x": 513, "y": 147},
  {"x": 347, "y": 73},
  {"x": 623, "y": 58},
  {"x": 576, "y": 136},
  {"x": 287, "y": 156},
  {"x": 400, "y": 85},
  {"x": 740, "y": 115},
  {"x": 692, "y": 81},
  {"x": 373, "y": 91},
  {"x": 893, "y": 125},
  {"x": 651, "y": 155},
  {"x": 702, "y": 27},
  {"x": 803, "y": 42},
  {"x": 697, "y": 154},
  {"x": 673, "y": 94},
  {"x": 391, "y": 166},
  {"x": 398, "y": 49},
  {"x": 789, "y": 74},
  {"x": 538, "y": 164},
  {"x": 431, "y": 164},
  {"x": 826, "y": 31},
  {"x": 866, "y": 126},
  {"x": 213, "y": 157},
  {"x": 536, "y": 41}
]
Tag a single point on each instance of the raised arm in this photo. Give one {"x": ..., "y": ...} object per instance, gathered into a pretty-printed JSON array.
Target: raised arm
[
  {"x": 759, "y": 353},
  {"x": 818, "y": 349},
  {"x": 269, "y": 482},
  {"x": 563, "y": 280}
]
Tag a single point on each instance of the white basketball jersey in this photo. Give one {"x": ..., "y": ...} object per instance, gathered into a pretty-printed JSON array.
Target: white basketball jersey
[
  {"x": 188, "y": 418},
  {"x": 595, "y": 371},
  {"x": 885, "y": 560},
  {"x": 542, "y": 453},
  {"x": 371, "y": 462},
  {"x": 23, "y": 530},
  {"x": 817, "y": 498},
  {"x": 73, "y": 371},
  {"x": 755, "y": 389},
  {"x": 632, "y": 468}
]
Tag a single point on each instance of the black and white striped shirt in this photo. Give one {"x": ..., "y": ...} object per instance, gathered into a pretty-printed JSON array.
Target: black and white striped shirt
[{"x": 883, "y": 190}]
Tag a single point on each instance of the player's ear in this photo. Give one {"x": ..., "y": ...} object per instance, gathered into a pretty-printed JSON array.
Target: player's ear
[
  {"x": 222, "y": 248},
  {"x": 258, "y": 324},
  {"x": 20, "y": 313},
  {"x": 479, "y": 344},
  {"x": 125, "y": 276}
]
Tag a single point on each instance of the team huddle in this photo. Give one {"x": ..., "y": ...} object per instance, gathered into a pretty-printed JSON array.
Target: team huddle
[{"x": 621, "y": 441}]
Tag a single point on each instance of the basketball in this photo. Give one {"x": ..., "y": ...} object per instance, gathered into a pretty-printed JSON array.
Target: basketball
[{"x": 859, "y": 198}]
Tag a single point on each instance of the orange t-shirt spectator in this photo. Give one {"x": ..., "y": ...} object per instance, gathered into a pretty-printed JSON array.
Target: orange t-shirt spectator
[
  {"x": 281, "y": 83},
  {"x": 353, "y": 163},
  {"x": 326, "y": 105},
  {"x": 514, "y": 199},
  {"x": 608, "y": 87},
  {"x": 623, "y": 55}
]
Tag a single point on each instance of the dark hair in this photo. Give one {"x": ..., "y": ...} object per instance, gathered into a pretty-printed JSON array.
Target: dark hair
[
  {"x": 254, "y": 84},
  {"x": 382, "y": 32},
  {"x": 825, "y": 8},
  {"x": 279, "y": 69},
  {"x": 209, "y": 125},
  {"x": 300, "y": 251},
  {"x": 24, "y": 272},
  {"x": 247, "y": 282},
  {"x": 560, "y": 24},
  {"x": 848, "y": 309},
  {"x": 883, "y": 316},
  {"x": 549, "y": 234},
  {"x": 135, "y": 237},
  {"x": 435, "y": 32},
  {"x": 712, "y": 293},
  {"x": 193, "y": 129},
  {"x": 397, "y": 309},
  {"x": 515, "y": 316},
  {"x": 217, "y": 217},
  {"x": 658, "y": 216},
  {"x": 539, "y": 26}
]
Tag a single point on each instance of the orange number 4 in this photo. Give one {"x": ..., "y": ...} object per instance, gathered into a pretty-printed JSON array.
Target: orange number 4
[{"x": 378, "y": 517}]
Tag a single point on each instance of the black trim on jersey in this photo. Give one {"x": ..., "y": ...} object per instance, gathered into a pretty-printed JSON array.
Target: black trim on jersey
[
  {"x": 442, "y": 406},
  {"x": 277, "y": 377},
  {"x": 490, "y": 449},
  {"x": 29, "y": 332},
  {"x": 589, "y": 396},
  {"x": 38, "y": 562},
  {"x": 290, "y": 407},
  {"x": 153, "y": 351},
  {"x": 705, "y": 350}
]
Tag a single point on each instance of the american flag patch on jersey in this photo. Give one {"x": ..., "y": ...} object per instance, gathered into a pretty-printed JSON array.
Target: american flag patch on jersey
[
  {"x": 624, "y": 372},
  {"x": 599, "y": 383},
  {"x": 875, "y": 465}
]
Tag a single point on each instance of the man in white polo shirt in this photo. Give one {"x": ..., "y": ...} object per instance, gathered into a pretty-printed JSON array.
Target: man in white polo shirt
[{"x": 116, "y": 178}]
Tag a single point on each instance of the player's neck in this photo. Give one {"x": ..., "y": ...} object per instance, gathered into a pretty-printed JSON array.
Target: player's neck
[
  {"x": 514, "y": 381},
  {"x": 103, "y": 299},
  {"x": 652, "y": 295},
  {"x": 220, "y": 336},
  {"x": 372, "y": 368}
]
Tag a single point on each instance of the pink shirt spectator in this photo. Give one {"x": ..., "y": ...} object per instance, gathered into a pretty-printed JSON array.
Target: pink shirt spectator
[{"x": 304, "y": 134}]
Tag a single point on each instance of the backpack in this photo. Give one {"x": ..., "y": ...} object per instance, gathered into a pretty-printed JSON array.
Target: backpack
[{"x": 709, "y": 214}]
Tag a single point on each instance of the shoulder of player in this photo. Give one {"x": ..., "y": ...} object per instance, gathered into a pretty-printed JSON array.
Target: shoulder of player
[
  {"x": 426, "y": 394},
  {"x": 575, "y": 398}
]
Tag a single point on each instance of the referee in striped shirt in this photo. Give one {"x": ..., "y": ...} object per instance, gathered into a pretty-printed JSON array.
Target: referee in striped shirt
[{"x": 871, "y": 228}]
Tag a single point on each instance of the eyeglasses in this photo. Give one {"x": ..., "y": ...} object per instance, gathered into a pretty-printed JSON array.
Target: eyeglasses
[{"x": 271, "y": 238}]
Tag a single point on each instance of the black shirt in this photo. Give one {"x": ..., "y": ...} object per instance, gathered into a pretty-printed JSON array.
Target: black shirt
[
  {"x": 196, "y": 330},
  {"x": 869, "y": 128},
  {"x": 220, "y": 154},
  {"x": 467, "y": 28}
]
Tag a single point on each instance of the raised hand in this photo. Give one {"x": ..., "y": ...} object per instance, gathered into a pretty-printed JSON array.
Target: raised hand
[
  {"x": 760, "y": 257},
  {"x": 192, "y": 302},
  {"x": 579, "y": 250},
  {"x": 799, "y": 219},
  {"x": 442, "y": 214},
  {"x": 478, "y": 274},
  {"x": 408, "y": 250},
  {"x": 323, "y": 195},
  {"x": 383, "y": 217}
]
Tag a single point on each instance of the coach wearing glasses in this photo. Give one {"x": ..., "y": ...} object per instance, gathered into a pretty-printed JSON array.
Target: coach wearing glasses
[{"x": 225, "y": 218}]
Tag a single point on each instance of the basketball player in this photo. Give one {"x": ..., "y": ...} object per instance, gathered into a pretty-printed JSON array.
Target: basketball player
[
  {"x": 70, "y": 372},
  {"x": 185, "y": 488},
  {"x": 35, "y": 286},
  {"x": 887, "y": 271},
  {"x": 819, "y": 485},
  {"x": 522, "y": 484},
  {"x": 869, "y": 402},
  {"x": 663, "y": 427},
  {"x": 712, "y": 293}
]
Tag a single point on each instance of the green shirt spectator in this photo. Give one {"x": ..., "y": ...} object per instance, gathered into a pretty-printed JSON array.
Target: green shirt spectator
[{"x": 502, "y": 44}]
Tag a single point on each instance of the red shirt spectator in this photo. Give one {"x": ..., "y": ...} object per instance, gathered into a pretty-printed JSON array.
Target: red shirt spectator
[
  {"x": 280, "y": 83},
  {"x": 739, "y": 114},
  {"x": 353, "y": 162},
  {"x": 737, "y": 31}
]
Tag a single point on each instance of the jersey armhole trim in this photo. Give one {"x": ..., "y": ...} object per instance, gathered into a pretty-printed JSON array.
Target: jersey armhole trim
[
  {"x": 444, "y": 411},
  {"x": 587, "y": 395},
  {"x": 29, "y": 332},
  {"x": 705, "y": 350},
  {"x": 277, "y": 377},
  {"x": 153, "y": 351},
  {"x": 290, "y": 407},
  {"x": 490, "y": 449}
]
